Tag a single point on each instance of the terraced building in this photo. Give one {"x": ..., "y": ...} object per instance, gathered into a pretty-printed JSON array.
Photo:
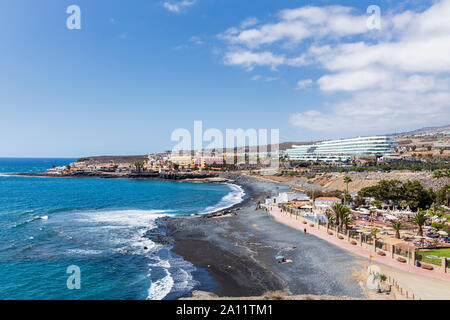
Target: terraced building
[{"x": 342, "y": 150}]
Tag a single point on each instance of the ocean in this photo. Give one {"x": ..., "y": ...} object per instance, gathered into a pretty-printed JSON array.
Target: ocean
[{"x": 99, "y": 226}]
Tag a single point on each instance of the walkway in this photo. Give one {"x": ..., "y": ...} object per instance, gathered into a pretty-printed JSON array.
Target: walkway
[{"x": 430, "y": 287}]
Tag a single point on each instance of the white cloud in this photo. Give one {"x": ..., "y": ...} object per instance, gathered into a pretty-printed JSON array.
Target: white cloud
[
  {"x": 256, "y": 77},
  {"x": 353, "y": 80},
  {"x": 377, "y": 111},
  {"x": 395, "y": 77},
  {"x": 248, "y": 59},
  {"x": 196, "y": 40},
  {"x": 303, "y": 84},
  {"x": 251, "y": 21},
  {"x": 296, "y": 25},
  {"x": 178, "y": 6}
]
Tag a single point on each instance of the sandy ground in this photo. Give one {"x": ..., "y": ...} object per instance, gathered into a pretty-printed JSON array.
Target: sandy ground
[
  {"x": 334, "y": 181},
  {"x": 239, "y": 252},
  {"x": 366, "y": 179}
]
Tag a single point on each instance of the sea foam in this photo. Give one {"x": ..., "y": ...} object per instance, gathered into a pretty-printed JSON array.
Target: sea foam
[{"x": 235, "y": 196}]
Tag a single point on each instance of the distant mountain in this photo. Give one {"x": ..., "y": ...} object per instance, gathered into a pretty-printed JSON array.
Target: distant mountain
[
  {"x": 282, "y": 146},
  {"x": 426, "y": 130}
]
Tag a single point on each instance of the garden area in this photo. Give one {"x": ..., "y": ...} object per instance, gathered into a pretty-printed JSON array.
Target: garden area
[{"x": 434, "y": 256}]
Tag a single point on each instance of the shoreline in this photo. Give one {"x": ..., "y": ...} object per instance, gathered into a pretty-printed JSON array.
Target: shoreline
[
  {"x": 239, "y": 251},
  {"x": 180, "y": 177}
]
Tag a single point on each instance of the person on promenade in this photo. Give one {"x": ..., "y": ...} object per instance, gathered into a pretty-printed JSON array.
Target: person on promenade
[{"x": 304, "y": 230}]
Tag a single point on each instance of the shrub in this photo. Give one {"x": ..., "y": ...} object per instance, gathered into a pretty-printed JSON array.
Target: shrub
[
  {"x": 341, "y": 237},
  {"x": 311, "y": 224},
  {"x": 381, "y": 253},
  {"x": 304, "y": 222},
  {"x": 354, "y": 243},
  {"x": 330, "y": 233}
]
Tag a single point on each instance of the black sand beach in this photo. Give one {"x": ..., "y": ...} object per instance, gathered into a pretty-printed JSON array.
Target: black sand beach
[{"x": 239, "y": 251}]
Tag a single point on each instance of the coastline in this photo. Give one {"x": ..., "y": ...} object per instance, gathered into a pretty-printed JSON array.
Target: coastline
[
  {"x": 235, "y": 254},
  {"x": 239, "y": 251},
  {"x": 182, "y": 177}
]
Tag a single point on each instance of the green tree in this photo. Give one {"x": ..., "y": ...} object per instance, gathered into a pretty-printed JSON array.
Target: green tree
[
  {"x": 372, "y": 214},
  {"x": 330, "y": 217},
  {"x": 339, "y": 211},
  {"x": 384, "y": 191},
  {"x": 347, "y": 218},
  {"x": 138, "y": 166},
  {"x": 419, "y": 219},
  {"x": 411, "y": 192},
  {"x": 374, "y": 232},
  {"x": 397, "y": 225},
  {"x": 359, "y": 201},
  {"x": 346, "y": 196},
  {"x": 416, "y": 196},
  {"x": 442, "y": 196},
  {"x": 347, "y": 180}
]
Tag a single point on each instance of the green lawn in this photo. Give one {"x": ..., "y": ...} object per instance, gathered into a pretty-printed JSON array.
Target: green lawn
[{"x": 435, "y": 252}]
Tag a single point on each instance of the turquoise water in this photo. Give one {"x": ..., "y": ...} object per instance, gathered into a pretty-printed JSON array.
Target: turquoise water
[{"x": 99, "y": 225}]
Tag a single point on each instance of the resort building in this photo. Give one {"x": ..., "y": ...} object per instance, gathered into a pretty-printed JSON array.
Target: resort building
[
  {"x": 284, "y": 197},
  {"x": 326, "y": 201},
  {"x": 342, "y": 150}
]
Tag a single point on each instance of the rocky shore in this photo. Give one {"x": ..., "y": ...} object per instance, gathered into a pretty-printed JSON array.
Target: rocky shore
[{"x": 187, "y": 177}]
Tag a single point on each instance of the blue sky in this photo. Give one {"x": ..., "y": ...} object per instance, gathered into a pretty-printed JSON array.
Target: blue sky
[{"x": 137, "y": 70}]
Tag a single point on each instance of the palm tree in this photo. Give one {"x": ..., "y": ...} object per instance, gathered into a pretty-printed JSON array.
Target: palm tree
[
  {"x": 397, "y": 225},
  {"x": 347, "y": 219},
  {"x": 419, "y": 219},
  {"x": 347, "y": 197},
  {"x": 139, "y": 166},
  {"x": 339, "y": 211},
  {"x": 347, "y": 180},
  {"x": 330, "y": 217},
  {"x": 372, "y": 212},
  {"x": 374, "y": 232}
]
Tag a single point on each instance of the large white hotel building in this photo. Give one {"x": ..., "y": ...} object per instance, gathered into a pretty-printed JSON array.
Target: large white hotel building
[{"x": 342, "y": 150}]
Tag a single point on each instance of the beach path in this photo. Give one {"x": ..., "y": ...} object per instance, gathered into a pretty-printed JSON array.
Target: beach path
[{"x": 423, "y": 283}]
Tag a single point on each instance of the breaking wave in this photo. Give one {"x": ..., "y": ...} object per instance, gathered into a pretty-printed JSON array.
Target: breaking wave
[{"x": 235, "y": 196}]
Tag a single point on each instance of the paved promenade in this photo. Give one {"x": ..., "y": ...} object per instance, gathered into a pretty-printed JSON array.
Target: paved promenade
[
  {"x": 425, "y": 284},
  {"x": 297, "y": 224}
]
